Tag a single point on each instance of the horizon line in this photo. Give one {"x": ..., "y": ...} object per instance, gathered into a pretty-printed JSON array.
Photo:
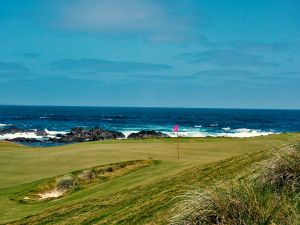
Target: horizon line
[{"x": 164, "y": 107}]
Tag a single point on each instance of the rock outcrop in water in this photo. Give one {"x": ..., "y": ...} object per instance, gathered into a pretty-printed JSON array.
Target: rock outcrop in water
[
  {"x": 148, "y": 134},
  {"x": 11, "y": 130},
  {"x": 25, "y": 140},
  {"x": 79, "y": 134}
]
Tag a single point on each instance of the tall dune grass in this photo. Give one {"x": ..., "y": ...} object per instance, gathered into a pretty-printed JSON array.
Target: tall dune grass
[
  {"x": 269, "y": 195},
  {"x": 231, "y": 204},
  {"x": 281, "y": 172}
]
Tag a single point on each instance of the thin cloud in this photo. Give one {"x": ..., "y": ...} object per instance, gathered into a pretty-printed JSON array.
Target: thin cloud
[
  {"x": 31, "y": 55},
  {"x": 222, "y": 75},
  {"x": 225, "y": 74},
  {"x": 227, "y": 58},
  {"x": 251, "y": 46},
  {"x": 12, "y": 70},
  {"x": 88, "y": 65},
  {"x": 288, "y": 75},
  {"x": 118, "y": 17},
  {"x": 159, "y": 77},
  {"x": 281, "y": 78}
]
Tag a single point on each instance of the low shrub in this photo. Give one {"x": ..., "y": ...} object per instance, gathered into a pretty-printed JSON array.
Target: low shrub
[
  {"x": 65, "y": 182},
  {"x": 87, "y": 175}
]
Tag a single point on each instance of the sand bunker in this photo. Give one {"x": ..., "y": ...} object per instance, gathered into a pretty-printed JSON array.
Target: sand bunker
[{"x": 51, "y": 194}]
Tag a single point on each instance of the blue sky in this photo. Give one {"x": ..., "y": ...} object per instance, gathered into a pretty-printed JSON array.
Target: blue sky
[{"x": 167, "y": 53}]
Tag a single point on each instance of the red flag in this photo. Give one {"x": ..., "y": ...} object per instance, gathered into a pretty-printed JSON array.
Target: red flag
[{"x": 176, "y": 128}]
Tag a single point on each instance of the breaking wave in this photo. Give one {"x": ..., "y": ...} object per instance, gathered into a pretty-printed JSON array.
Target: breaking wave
[
  {"x": 54, "y": 133},
  {"x": 226, "y": 128},
  {"x": 4, "y": 125},
  {"x": 183, "y": 132},
  {"x": 227, "y": 132},
  {"x": 244, "y": 132},
  {"x": 31, "y": 134}
]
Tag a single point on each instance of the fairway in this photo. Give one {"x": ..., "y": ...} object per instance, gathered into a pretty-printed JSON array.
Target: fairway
[{"x": 147, "y": 190}]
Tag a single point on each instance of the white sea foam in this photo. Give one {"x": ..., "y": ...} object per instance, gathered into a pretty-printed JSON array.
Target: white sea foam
[
  {"x": 196, "y": 132},
  {"x": 21, "y": 135},
  {"x": 244, "y": 132},
  {"x": 53, "y": 134},
  {"x": 187, "y": 134},
  {"x": 183, "y": 132},
  {"x": 4, "y": 125},
  {"x": 198, "y": 126},
  {"x": 238, "y": 133},
  {"x": 127, "y": 132},
  {"x": 226, "y": 128},
  {"x": 31, "y": 134}
]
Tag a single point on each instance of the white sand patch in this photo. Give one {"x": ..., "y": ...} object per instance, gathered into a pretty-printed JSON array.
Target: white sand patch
[{"x": 55, "y": 193}]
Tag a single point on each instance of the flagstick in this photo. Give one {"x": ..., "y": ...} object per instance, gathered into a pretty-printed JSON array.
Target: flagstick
[{"x": 177, "y": 147}]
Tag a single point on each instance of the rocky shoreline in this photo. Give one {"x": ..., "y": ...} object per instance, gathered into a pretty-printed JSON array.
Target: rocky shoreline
[{"x": 77, "y": 134}]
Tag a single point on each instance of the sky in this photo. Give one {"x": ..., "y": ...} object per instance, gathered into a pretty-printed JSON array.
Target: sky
[{"x": 151, "y": 53}]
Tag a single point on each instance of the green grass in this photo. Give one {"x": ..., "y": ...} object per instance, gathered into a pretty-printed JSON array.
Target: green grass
[
  {"x": 142, "y": 196},
  {"x": 79, "y": 180}
]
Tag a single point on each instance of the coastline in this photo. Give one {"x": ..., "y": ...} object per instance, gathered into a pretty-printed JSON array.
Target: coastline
[
  {"x": 46, "y": 137},
  {"x": 42, "y": 123}
]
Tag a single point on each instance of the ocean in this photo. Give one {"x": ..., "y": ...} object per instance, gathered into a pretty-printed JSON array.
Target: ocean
[{"x": 197, "y": 122}]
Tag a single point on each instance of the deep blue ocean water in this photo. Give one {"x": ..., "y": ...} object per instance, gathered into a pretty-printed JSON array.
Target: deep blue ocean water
[{"x": 192, "y": 122}]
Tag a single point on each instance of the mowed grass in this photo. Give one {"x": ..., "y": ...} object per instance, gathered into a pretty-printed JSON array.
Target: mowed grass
[
  {"x": 140, "y": 197},
  {"x": 24, "y": 164},
  {"x": 146, "y": 203}
]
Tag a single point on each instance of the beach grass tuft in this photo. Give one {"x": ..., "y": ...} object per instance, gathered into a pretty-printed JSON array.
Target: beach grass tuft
[
  {"x": 269, "y": 195},
  {"x": 280, "y": 171},
  {"x": 233, "y": 203}
]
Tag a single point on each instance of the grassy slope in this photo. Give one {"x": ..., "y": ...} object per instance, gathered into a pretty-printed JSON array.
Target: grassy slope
[
  {"x": 145, "y": 203},
  {"x": 144, "y": 195}
]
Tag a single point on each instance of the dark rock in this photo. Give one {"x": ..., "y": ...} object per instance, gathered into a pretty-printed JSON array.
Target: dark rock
[
  {"x": 11, "y": 130},
  {"x": 148, "y": 134},
  {"x": 213, "y": 125},
  {"x": 22, "y": 139},
  {"x": 53, "y": 140},
  {"x": 79, "y": 134},
  {"x": 39, "y": 132},
  {"x": 77, "y": 131}
]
